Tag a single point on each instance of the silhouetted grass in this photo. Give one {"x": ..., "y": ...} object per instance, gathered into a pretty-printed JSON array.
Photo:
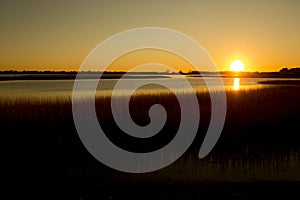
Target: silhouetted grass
[{"x": 259, "y": 142}]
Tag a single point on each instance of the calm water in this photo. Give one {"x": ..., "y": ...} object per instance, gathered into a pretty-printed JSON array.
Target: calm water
[{"x": 63, "y": 88}]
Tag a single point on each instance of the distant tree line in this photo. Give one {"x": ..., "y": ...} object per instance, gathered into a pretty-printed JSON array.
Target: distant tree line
[
  {"x": 36, "y": 72},
  {"x": 75, "y": 72},
  {"x": 290, "y": 71}
]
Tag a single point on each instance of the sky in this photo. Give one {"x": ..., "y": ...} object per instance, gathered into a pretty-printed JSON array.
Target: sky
[{"x": 59, "y": 34}]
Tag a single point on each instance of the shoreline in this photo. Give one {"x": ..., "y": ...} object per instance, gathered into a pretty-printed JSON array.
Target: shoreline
[{"x": 72, "y": 76}]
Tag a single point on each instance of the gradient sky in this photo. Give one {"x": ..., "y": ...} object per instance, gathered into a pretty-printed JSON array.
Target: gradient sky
[{"x": 58, "y": 35}]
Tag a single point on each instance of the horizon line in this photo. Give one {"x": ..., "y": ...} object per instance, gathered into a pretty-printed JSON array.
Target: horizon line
[{"x": 124, "y": 71}]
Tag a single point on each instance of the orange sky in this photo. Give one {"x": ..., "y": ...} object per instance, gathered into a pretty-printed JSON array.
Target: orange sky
[{"x": 58, "y": 35}]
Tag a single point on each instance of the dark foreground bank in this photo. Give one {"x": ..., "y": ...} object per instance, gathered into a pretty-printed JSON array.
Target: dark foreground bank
[{"x": 255, "y": 190}]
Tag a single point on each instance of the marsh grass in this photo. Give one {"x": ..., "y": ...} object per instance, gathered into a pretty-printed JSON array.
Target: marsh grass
[{"x": 260, "y": 139}]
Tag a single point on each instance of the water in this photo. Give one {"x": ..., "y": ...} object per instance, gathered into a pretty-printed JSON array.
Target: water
[{"x": 63, "y": 88}]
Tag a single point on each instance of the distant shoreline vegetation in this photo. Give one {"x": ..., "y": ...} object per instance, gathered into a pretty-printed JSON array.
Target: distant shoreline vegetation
[
  {"x": 55, "y": 75},
  {"x": 66, "y": 75}
]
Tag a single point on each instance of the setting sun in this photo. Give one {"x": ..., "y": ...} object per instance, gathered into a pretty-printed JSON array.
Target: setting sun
[{"x": 237, "y": 66}]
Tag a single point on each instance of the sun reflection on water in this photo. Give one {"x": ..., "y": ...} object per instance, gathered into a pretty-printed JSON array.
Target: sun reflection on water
[{"x": 236, "y": 83}]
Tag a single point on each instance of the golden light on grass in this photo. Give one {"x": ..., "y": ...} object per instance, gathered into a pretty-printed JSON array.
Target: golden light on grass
[{"x": 237, "y": 66}]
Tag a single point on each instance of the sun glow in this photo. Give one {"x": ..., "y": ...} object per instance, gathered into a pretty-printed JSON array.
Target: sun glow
[{"x": 237, "y": 66}]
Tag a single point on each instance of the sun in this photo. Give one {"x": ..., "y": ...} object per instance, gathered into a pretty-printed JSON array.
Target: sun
[{"x": 237, "y": 66}]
